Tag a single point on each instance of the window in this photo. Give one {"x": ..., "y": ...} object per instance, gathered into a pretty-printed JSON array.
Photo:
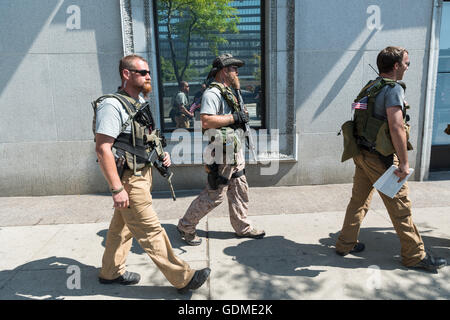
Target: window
[
  {"x": 440, "y": 149},
  {"x": 188, "y": 40}
]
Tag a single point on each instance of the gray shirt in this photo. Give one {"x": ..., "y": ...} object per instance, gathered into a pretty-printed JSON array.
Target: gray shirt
[
  {"x": 111, "y": 116},
  {"x": 213, "y": 103},
  {"x": 180, "y": 98},
  {"x": 388, "y": 97}
]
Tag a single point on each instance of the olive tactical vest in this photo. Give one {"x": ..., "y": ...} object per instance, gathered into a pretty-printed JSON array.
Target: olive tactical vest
[
  {"x": 370, "y": 130},
  {"x": 133, "y": 145},
  {"x": 233, "y": 103}
]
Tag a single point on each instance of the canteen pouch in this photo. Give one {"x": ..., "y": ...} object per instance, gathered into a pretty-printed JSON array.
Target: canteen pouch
[{"x": 350, "y": 146}]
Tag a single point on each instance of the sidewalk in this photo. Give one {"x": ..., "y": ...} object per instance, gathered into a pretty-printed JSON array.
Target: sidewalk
[{"x": 47, "y": 241}]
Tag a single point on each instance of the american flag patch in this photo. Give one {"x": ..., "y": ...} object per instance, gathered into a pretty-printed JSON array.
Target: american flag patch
[{"x": 361, "y": 104}]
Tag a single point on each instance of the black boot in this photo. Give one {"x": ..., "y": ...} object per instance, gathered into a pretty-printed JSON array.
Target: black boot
[
  {"x": 199, "y": 278},
  {"x": 431, "y": 263}
]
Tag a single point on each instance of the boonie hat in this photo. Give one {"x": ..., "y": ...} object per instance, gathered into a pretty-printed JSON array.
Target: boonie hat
[
  {"x": 225, "y": 60},
  {"x": 222, "y": 61}
]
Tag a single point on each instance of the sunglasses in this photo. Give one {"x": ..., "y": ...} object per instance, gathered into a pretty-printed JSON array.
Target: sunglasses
[{"x": 141, "y": 72}]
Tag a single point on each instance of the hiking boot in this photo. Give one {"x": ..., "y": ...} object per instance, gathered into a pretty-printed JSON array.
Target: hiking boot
[
  {"x": 190, "y": 238},
  {"x": 125, "y": 279},
  {"x": 430, "y": 263},
  {"x": 199, "y": 278},
  {"x": 253, "y": 233},
  {"x": 357, "y": 248}
]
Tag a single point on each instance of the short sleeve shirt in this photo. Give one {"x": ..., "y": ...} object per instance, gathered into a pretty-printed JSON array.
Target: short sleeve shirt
[
  {"x": 388, "y": 97},
  {"x": 111, "y": 116},
  {"x": 213, "y": 103},
  {"x": 181, "y": 98}
]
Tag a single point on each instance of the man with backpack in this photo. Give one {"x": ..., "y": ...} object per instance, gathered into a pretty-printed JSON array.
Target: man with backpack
[
  {"x": 380, "y": 135},
  {"x": 118, "y": 126}
]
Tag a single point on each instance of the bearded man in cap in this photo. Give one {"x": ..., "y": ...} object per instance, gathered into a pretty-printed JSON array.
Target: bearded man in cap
[{"x": 221, "y": 111}]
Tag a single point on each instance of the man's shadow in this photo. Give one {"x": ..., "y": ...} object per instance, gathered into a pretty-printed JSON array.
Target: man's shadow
[
  {"x": 55, "y": 278},
  {"x": 276, "y": 255}
]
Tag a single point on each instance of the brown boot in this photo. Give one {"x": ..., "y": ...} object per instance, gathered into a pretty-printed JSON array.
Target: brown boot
[
  {"x": 253, "y": 233},
  {"x": 190, "y": 238}
]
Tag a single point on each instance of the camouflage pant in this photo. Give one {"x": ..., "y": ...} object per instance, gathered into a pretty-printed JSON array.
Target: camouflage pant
[{"x": 237, "y": 193}]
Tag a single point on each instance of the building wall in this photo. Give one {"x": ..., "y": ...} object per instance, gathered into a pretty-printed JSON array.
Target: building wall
[
  {"x": 333, "y": 50},
  {"x": 50, "y": 74},
  {"x": 318, "y": 53}
]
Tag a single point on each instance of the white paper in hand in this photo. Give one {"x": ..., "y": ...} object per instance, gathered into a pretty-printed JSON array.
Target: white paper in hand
[{"x": 388, "y": 184}]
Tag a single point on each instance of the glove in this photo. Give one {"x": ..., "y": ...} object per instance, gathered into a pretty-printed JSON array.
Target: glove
[{"x": 240, "y": 118}]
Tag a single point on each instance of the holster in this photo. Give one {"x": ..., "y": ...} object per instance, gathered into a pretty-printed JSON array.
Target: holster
[
  {"x": 121, "y": 165},
  {"x": 214, "y": 178}
]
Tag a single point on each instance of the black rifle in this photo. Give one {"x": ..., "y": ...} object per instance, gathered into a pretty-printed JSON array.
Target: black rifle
[
  {"x": 250, "y": 142},
  {"x": 157, "y": 142}
]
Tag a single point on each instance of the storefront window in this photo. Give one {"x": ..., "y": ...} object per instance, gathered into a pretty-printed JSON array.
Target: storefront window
[
  {"x": 440, "y": 150},
  {"x": 190, "y": 36}
]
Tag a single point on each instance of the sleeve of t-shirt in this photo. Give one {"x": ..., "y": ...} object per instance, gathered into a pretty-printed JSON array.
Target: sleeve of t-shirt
[
  {"x": 394, "y": 96},
  {"x": 181, "y": 99},
  {"x": 210, "y": 103},
  {"x": 108, "y": 118}
]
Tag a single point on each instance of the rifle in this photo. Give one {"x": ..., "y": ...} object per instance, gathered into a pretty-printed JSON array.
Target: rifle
[
  {"x": 157, "y": 142},
  {"x": 157, "y": 155},
  {"x": 250, "y": 142}
]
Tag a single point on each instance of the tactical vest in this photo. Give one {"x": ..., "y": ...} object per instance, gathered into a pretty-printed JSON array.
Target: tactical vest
[
  {"x": 133, "y": 145},
  {"x": 370, "y": 131},
  {"x": 229, "y": 97}
]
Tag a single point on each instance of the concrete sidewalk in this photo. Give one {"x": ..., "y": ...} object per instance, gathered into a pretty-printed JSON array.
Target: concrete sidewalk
[{"x": 46, "y": 242}]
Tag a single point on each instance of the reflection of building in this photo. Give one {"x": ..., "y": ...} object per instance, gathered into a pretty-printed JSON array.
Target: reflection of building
[{"x": 244, "y": 44}]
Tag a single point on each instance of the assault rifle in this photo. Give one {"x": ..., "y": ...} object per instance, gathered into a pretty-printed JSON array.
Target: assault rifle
[
  {"x": 157, "y": 142},
  {"x": 250, "y": 142},
  {"x": 157, "y": 155}
]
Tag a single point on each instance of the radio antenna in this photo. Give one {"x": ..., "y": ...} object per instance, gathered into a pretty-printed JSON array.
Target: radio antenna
[{"x": 374, "y": 69}]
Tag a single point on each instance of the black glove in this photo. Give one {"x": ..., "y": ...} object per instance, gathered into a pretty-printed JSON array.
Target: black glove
[{"x": 240, "y": 118}]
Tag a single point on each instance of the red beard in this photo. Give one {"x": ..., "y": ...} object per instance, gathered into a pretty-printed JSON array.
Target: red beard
[{"x": 146, "y": 89}]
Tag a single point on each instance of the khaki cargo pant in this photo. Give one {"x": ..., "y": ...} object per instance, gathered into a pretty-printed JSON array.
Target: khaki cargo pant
[
  {"x": 141, "y": 222},
  {"x": 368, "y": 169},
  {"x": 182, "y": 121},
  {"x": 236, "y": 192}
]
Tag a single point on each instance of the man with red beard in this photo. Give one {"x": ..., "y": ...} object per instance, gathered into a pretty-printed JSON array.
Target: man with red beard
[{"x": 134, "y": 215}]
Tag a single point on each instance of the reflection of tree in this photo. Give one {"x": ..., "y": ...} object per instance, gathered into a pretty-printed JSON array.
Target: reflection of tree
[
  {"x": 257, "y": 74},
  {"x": 186, "y": 19},
  {"x": 168, "y": 73}
]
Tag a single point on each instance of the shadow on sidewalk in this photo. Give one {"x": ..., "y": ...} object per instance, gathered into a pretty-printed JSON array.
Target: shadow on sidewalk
[
  {"x": 55, "y": 278},
  {"x": 277, "y": 256}
]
